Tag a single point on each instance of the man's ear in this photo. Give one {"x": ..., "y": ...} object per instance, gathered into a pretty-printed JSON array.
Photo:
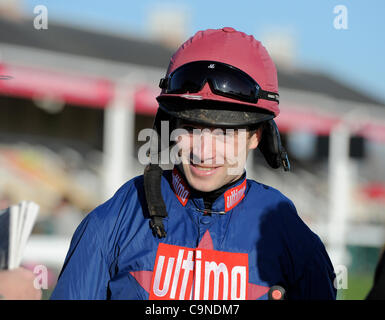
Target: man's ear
[{"x": 255, "y": 138}]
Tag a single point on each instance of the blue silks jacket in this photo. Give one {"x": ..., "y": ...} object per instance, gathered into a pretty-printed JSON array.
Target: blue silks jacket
[{"x": 252, "y": 240}]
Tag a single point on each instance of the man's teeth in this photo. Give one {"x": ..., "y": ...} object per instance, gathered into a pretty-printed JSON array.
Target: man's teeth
[{"x": 204, "y": 169}]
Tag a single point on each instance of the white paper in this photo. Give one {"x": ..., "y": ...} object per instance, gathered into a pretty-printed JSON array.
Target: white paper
[{"x": 21, "y": 221}]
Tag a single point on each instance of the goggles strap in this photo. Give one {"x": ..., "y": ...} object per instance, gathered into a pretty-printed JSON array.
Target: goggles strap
[
  {"x": 268, "y": 95},
  {"x": 262, "y": 94}
]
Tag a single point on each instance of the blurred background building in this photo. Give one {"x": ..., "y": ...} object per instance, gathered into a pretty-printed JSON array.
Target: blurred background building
[{"x": 79, "y": 95}]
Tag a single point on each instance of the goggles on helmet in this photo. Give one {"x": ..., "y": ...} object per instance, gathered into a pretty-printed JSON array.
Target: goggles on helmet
[{"x": 223, "y": 79}]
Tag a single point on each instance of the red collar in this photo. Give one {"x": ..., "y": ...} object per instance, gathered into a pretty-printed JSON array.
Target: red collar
[
  {"x": 234, "y": 195},
  {"x": 180, "y": 187},
  {"x": 231, "y": 196}
]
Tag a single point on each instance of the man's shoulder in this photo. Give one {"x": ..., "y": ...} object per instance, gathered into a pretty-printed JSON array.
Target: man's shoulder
[
  {"x": 280, "y": 213},
  {"x": 269, "y": 194},
  {"x": 280, "y": 224},
  {"x": 129, "y": 195},
  {"x": 131, "y": 185}
]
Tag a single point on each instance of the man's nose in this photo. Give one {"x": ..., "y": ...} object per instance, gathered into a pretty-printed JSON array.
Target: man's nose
[{"x": 204, "y": 147}]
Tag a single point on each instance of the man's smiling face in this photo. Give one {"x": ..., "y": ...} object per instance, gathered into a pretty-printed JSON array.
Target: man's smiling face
[{"x": 212, "y": 157}]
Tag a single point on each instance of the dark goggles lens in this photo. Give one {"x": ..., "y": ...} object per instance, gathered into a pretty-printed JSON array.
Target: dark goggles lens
[{"x": 222, "y": 78}]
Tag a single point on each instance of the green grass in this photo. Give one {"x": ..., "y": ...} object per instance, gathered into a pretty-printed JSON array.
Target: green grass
[
  {"x": 46, "y": 294},
  {"x": 359, "y": 286}
]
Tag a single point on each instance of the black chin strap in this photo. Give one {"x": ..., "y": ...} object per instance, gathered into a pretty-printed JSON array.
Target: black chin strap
[{"x": 156, "y": 205}]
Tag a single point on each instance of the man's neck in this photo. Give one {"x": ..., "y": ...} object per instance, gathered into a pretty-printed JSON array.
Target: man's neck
[{"x": 211, "y": 196}]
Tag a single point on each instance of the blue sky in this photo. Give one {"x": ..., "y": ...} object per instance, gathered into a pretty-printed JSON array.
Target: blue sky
[{"x": 355, "y": 56}]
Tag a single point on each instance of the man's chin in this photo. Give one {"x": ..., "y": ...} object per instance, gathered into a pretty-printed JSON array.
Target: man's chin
[{"x": 204, "y": 183}]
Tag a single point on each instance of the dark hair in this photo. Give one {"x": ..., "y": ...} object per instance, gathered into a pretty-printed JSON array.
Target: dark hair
[{"x": 254, "y": 128}]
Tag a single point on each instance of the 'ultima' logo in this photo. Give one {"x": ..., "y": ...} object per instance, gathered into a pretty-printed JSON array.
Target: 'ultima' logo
[
  {"x": 234, "y": 195},
  {"x": 180, "y": 188},
  {"x": 185, "y": 273}
]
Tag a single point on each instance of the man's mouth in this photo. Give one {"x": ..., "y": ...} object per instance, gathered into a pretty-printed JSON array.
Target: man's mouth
[{"x": 203, "y": 170}]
